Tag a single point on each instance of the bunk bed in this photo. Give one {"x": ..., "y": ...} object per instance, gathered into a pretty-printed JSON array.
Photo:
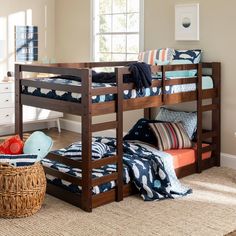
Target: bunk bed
[{"x": 86, "y": 107}]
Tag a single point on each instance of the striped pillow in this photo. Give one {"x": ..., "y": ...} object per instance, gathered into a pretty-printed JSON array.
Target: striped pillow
[
  {"x": 148, "y": 57},
  {"x": 170, "y": 136},
  {"x": 74, "y": 151},
  {"x": 18, "y": 160}
]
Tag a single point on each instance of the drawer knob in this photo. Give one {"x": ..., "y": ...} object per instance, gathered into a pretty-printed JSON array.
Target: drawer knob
[
  {"x": 7, "y": 115},
  {"x": 6, "y": 100},
  {"x": 6, "y": 88}
]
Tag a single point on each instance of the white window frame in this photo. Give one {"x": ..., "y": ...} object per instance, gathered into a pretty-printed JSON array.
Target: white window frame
[{"x": 93, "y": 33}]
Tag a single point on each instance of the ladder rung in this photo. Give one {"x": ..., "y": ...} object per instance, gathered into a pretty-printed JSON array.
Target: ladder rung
[
  {"x": 209, "y": 134},
  {"x": 209, "y": 107},
  {"x": 104, "y": 126},
  {"x": 104, "y": 161},
  {"x": 208, "y": 148},
  {"x": 104, "y": 179}
]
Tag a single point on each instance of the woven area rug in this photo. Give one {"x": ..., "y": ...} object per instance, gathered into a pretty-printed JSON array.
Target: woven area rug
[
  {"x": 231, "y": 233},
  {"x": 210, "y": 210}
]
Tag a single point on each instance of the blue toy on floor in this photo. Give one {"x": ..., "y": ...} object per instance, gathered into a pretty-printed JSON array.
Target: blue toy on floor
[{"x": 38, "y": 144}]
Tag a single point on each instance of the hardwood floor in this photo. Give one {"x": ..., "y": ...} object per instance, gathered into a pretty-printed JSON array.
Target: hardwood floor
[{"x": 60, "y": 140}]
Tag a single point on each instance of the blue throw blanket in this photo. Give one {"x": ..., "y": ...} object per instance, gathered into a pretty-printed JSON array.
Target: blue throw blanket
[{"x": 152, "y": 171}]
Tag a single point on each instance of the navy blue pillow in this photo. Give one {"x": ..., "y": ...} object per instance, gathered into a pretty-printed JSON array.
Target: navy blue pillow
[{"x": 142, "y": 132}]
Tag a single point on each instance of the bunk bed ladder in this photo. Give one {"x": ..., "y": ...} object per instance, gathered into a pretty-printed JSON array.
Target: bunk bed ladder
[{"x": 214, "y": 108}]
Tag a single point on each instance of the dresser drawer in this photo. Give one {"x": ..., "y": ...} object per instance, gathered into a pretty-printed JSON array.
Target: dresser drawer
[
  {"x": 7, "y": 116},
  {"x": 7, "y": 100},
  {"x": 6, "y": 87}
]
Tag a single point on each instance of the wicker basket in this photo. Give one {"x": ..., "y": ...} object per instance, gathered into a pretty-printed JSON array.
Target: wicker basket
[{"x": 22, "y": 190}]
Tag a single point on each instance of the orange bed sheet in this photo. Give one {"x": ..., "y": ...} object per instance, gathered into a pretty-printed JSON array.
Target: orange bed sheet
[{"x": 185, "y": 157}]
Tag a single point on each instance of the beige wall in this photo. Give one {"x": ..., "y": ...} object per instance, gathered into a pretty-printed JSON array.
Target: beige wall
[
  {"x": 26, "y": 12},
  {"x": 217, "y": 39}
]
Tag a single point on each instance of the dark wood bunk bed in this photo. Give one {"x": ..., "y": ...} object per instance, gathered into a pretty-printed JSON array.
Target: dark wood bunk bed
[{"x": 86, "y": 109}]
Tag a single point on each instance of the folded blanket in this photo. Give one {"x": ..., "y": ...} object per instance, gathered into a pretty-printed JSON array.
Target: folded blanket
[
  {"x": 142, "y": 76},
  {"x": 152, "y": 174}
]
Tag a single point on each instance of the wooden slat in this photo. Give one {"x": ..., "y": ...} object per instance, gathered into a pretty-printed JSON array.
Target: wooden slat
[
  {"x": 209, "y": 107},
  {"x": 141, "y": 103},
  {"x": 209, "y": 148},
  {"x": 104, "y": 179},
  {"x": 94, "y": 64},
  {"x": 180, "y": 67},
  {"x": 52, "y": 104},
  {"x": 180, "y": 81},
  {"x": 129, "y": 104},
  {"x": 104, "y": 161},
  {"x": 63, "y": 176},
  {"x": 179, "y": 97},
  {"x": 207, "y": 65},
  {"x": 209, "y": 134},
  {"x": 209, "y": 93},
  {"x": 103, "y": 91},
  {"x": 63, "y": 194},
  {"x": 64, "y": 160},
  {"x": 52, "y": 86},
  {"x": 104, "y": 126},
  {"x": 130, "y": 86},
  {"x": 187, "y": 96},
  {"x": 53, "y": 70}
]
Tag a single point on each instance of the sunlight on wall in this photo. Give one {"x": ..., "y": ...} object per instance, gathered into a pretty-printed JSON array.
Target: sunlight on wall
[
  {"x": 18, "y": 18},
  {"x": 7, "y": 38},
  {"x": 29, "y": 17},
  {"x": 3, "y": 46}
]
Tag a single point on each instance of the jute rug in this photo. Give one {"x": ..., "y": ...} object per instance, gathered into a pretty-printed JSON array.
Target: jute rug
[{"x": 210, "y": 210}]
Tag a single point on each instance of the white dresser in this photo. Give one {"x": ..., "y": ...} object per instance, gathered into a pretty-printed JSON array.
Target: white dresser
[{"x": 30, "y": 114}]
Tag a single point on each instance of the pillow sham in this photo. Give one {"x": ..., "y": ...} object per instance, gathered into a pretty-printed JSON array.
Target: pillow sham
[
  {"x": 141, "y": 132},
  {"x": 170, "y": 136},
  {"x": 18, "y": 160},
  {"x": 12, "y": 146},
  {"x": 74, "y": 151},
  {"x": 186, "y": 56},
  {"x": 188, "y": 119}
]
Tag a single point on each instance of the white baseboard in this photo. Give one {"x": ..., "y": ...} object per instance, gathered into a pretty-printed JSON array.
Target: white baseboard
[
  {"x": 75, "y": 126},
  {"x": 8, "y": 130},
  {"x": 228, "y": 160}
]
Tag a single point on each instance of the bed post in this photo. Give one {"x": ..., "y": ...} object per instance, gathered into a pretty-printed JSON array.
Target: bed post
[
  {"x": 86, "y": 141},
  {"x": 119, "y": 135},
  {"x": 199, "y": 119},
  {"x": 18, "y": 105},
  {"x": 216, "y": 117}
]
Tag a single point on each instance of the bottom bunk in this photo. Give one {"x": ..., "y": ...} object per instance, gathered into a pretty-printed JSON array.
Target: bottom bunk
[{"x": 184, "y": 163}]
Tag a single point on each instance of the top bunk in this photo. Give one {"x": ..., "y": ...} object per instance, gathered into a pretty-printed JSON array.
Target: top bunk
[{"x": 72, "y": 87}]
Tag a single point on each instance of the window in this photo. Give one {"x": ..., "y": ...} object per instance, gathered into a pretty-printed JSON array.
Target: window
[{"x": 117, "y": 29}]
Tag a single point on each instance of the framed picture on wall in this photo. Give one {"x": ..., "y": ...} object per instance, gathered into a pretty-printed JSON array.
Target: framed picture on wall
[{"x": 187, "y": 21}]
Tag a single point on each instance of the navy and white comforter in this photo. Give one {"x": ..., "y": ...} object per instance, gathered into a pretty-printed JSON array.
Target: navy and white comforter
[{"x": 152, "y": 171}]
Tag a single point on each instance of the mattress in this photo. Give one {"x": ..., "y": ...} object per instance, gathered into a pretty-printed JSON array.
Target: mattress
[
  {"x": 128, "y": 94},
  {"x": 185, "y": 157}
]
